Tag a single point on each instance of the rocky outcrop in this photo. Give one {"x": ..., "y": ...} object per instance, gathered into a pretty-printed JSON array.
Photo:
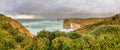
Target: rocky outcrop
[{"x": 67, "y": 23}]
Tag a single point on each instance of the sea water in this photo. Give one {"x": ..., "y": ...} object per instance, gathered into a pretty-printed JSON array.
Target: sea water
[{"x": 36, "y": 25}]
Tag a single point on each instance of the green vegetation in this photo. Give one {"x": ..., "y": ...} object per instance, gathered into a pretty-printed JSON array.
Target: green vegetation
[
  {"x": 99, "y": 36},
  {"x": 11, "y": 38},
  {"x": 104, "y": 37}
]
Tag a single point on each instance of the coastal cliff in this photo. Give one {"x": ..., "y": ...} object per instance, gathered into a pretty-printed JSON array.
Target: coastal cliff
[
  {"x": 66, "y": 23},
  {"x": 14, "y": 25},
  {"x": 76, "y": 23}
]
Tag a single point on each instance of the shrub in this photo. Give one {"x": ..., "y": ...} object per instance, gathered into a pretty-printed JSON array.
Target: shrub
[
  {"x": 43, "y": 34},
  {"x": 6, "y": 41},
  {"x": 39, "y": 44},
  {"x": 59, "y": 33},
  {"x": 106, "y": 29},
  {"x": 62, "y": 43},
  {"x": 74, "y": 35}
]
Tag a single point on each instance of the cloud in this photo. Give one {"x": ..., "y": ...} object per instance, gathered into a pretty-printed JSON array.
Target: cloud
[{"x": 60, "y": 8}]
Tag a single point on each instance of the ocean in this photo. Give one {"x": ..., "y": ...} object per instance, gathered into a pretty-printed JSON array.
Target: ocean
[{"x": 36, "y": 25}]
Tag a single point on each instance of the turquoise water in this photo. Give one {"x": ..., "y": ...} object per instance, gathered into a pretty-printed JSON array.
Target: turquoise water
[{"x": 36, "y": 25}]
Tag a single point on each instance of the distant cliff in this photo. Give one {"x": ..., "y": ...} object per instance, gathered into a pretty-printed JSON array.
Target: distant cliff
[
  {"x": 14, "y": 25},
  {"x": 76, "y": 23},
  {"x": 114, "y": 20}
]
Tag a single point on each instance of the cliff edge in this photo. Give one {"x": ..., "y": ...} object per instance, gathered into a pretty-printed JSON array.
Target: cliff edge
[{"x": 7, "y": 21}]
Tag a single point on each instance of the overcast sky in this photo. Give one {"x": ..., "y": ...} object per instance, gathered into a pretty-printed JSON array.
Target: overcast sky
[{"x": 60, "y": 8}]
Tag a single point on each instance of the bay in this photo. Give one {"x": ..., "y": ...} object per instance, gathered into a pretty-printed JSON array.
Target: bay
[{"x": 36, "y": 25}]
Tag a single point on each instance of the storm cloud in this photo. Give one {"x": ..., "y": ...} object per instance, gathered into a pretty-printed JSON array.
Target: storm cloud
[{"x": 60, "y": 8}]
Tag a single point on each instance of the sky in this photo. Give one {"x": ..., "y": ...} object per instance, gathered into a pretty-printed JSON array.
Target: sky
[{"x": 59, "y": 8}]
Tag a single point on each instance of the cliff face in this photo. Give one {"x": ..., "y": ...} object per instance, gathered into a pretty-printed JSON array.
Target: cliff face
[
  {"x": 78, "y": 22},
  {"x": 16, "y": 25},
  {"x": 66, "y": 24}
]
